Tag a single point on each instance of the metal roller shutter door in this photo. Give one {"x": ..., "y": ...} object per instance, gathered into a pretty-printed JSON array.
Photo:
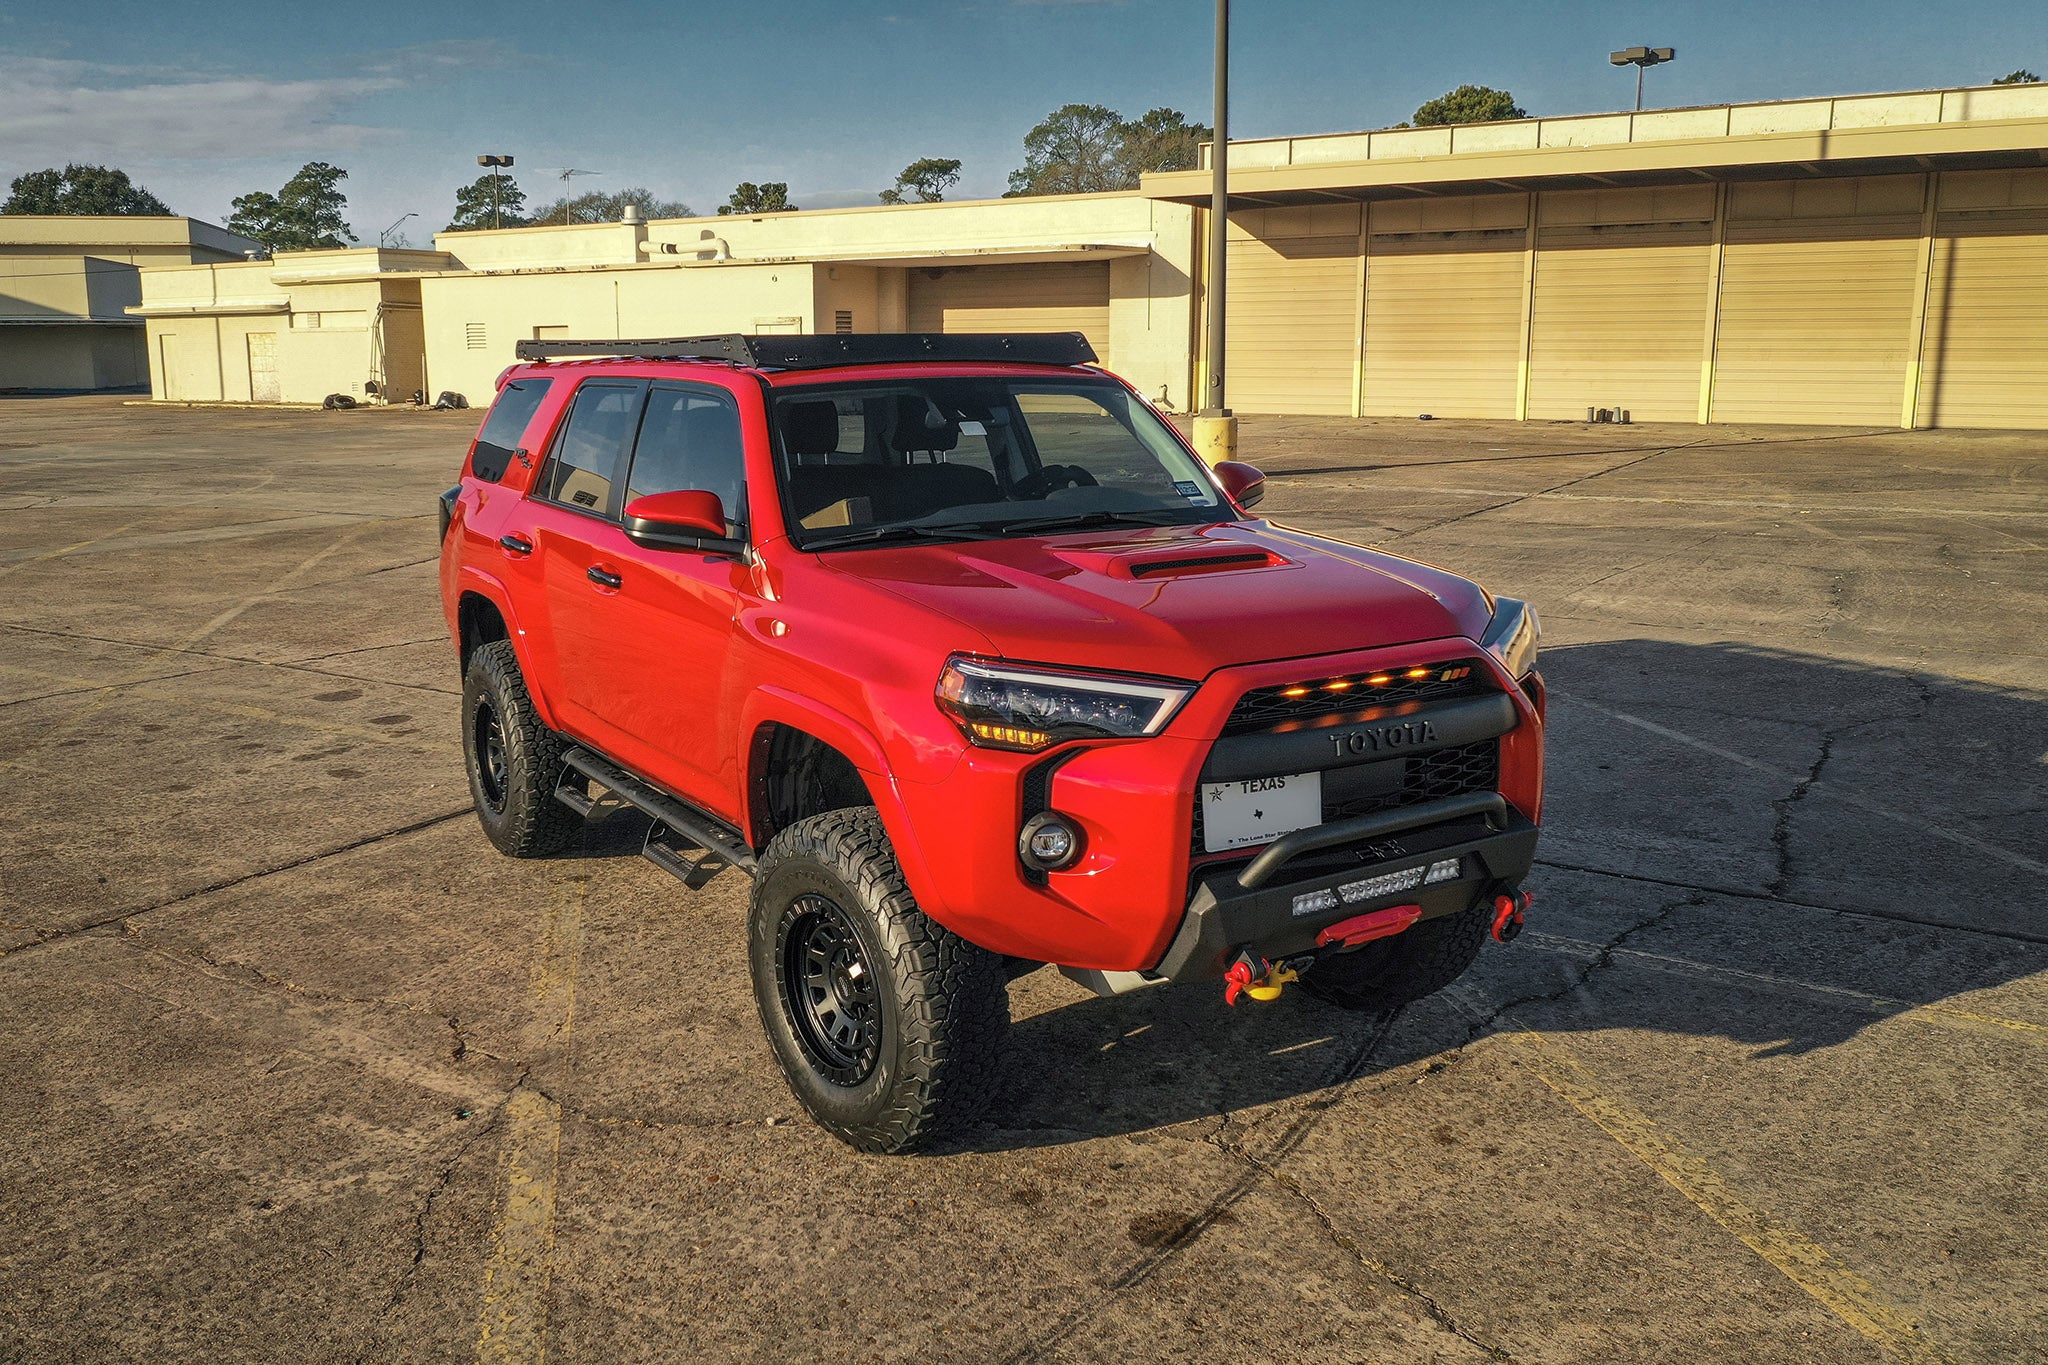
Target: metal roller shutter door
[
  {"x": 1014, "y": 298},
  {"x": 1619, "y": 320},
  {"x": 1292, "y": 341},
  {"x": 1816, "y": 322},
  {"x": 1443, "y": 325},
  {"x": 1984, "y": 361}
]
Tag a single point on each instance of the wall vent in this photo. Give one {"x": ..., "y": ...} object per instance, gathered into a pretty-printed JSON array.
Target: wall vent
[
  {"x": 474, "y": 336},
  {"x": 842, "y": 322}
]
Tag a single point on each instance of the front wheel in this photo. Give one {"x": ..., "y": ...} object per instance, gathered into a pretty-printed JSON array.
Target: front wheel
[
  {"x": 1400, "y": 970},
  {"x": 888, "y": 1026}
]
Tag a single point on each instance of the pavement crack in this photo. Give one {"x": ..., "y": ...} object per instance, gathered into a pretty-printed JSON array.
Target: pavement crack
[
  {"x": 1602, "y": 958},
  {"x": 123, "y": 917},
  {"x": 1379, "y": 1269},
  {"x": 1781, "y": 829}
]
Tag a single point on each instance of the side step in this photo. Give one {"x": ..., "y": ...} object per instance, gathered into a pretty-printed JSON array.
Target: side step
[{"x": 723, "y": 845}]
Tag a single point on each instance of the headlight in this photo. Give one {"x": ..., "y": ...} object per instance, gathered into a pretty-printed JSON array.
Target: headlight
[
  {"x": 1512, "y": 635},
  {"x": 1028, "y": 709}
]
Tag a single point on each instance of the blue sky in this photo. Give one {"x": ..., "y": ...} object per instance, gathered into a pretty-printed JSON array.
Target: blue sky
[{"x": 202, "y": 102}]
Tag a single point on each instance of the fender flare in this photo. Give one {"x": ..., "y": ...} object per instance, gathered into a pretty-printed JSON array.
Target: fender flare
[
  {"x": 777, "y": 705},
  {"x": 472, "y": 580}
]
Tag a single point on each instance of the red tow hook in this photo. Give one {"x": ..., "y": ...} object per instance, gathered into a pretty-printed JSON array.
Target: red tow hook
[
  {"x": 1349, "y": 933},
  {"x": 1236, "y": 979},
  {"x": 1508, "y": 908}
]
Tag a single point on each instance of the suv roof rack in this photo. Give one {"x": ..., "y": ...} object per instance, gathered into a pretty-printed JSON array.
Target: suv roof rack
[{"x": 813, "y": 351}]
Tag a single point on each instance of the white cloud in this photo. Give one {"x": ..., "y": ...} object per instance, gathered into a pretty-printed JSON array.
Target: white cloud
[{"x": 57, "y": 111}]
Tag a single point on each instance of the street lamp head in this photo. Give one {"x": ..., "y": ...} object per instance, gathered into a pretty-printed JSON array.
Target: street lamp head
[
  {"x": 494, "y": 161},
  {"x": 1641, "y": 56}
]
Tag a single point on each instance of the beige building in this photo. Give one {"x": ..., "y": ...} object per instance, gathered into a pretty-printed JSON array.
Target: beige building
[
  {"x": 66, "y": 283},
  {"x": 1878, "y": 260},
  {"x": 1874, "y": 260},
  {"x": 1115, "y": 266},
  {"x": 290, "y": 329}
]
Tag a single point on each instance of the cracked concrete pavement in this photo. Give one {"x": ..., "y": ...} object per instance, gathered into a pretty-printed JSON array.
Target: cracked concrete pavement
[{"x": 297, "y": 1067}]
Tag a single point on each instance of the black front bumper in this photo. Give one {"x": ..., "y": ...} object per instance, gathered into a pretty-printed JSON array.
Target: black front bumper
[{"x": 1253, "y": 907}]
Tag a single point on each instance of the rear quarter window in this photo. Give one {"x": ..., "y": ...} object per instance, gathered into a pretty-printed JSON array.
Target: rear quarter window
[{"x": 504, "y": 429}]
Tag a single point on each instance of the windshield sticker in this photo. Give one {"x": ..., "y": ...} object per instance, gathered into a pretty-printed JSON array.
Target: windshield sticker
[
  {"x": 973, "y": 429},
  {"x": 1188, "y": 489}
]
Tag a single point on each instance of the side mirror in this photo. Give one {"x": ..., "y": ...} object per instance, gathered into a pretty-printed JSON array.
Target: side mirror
[
  {"x": 1245, "y": 484},
  {"x": 686, "y": 519}
]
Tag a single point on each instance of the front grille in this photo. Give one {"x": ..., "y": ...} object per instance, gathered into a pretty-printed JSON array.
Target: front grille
[
  {"x": 1455, "y": 771},
  {"x": 1266, "y": 709}
]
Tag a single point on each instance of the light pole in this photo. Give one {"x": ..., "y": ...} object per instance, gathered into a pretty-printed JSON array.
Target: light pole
[
  {"x": 1639, "y": 58},
  {"x": 383, "y": 236},
  {"x": 1215, "y": 427},
  {"x": 494, "y": 162}
]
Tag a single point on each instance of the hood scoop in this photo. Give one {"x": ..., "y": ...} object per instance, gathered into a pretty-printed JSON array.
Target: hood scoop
[{"x": 1180, "y": 565}]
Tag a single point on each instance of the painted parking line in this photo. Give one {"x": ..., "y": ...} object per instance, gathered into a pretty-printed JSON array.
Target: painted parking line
[
  {"x": 1945, "y": 1016},
  {"x": 1836, "y": 1287},
  {"x": 47, "y": 555},
  {"x": 512, "y": 1317}
]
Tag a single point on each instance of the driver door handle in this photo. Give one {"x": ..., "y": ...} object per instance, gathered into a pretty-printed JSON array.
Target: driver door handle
[
  {"x": 603, "y": 577},
  {"x": 518, "y": 545}
]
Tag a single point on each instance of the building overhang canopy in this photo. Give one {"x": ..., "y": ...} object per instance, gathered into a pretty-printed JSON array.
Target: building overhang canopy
[
  {"x": 1036, "y": 254},
  {"x": 2003, "y": 144},
  {"x": 226, "y": 308}
]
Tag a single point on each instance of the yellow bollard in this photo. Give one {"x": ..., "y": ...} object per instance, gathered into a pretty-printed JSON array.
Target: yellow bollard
[{"x": 1215, "y": 438}]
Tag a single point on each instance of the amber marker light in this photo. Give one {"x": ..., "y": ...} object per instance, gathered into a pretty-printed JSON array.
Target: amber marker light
[
  {"x": 1453, "y": 674},
  {"x": 1418, "y": 673},
  {"x": 1010, "y": 737},
  {"x": 1379, "y": 680},
  {"x": 1341, "y": 685},
  {"x": 1294, "y": 691}
]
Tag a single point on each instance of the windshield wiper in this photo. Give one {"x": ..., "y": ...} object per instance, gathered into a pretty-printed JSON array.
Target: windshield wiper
[
  {"x": 1081, "y": 521},
  {"x": 876, "y": 534}
]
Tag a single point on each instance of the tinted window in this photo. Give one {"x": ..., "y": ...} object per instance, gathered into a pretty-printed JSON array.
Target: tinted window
[
  {"x": 690, "y": 438},
  {"x": 517, "y": 402},
  {"x": 592, "y": 449}
]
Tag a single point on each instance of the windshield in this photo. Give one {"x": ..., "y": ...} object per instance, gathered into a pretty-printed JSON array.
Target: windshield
[{"x": 960, "y": 459}]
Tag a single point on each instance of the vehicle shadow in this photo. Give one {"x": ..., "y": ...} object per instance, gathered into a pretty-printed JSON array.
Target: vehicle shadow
[{"x": 1712, "y": 810}]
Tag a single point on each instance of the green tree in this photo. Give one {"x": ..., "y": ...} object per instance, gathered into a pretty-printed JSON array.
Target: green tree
[
  {"x": 924, "y": 180},
  {"x": 2019, "y": 77},
  {"x": 1163, "y": 140},
  {"x": 1087, "y": 148},
  {"x": 488, "y": 204},
  {"x": 80, "y": 189},
  {"x": 749, "y": 198},
  {"x": 303, "y": 216},
  {"x": 1469, "y": 104},
  {"x": 603, "y": 206}
]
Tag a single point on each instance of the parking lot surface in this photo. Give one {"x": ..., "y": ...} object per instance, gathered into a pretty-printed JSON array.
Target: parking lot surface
[{"x": 295, "y": 1067}]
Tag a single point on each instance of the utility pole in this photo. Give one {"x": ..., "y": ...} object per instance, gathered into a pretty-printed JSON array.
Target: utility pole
[{"x": 1215, "y": 427}]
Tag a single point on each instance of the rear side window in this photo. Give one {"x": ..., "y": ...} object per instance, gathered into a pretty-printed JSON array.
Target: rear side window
[
  {"x": 517, "y": 402},
  {"x": 591, "y": 453},
  {"x": 690, "y": 438}
]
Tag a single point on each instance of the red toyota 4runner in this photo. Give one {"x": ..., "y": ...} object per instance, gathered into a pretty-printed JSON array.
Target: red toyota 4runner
[{"x": 957, "y": 648}]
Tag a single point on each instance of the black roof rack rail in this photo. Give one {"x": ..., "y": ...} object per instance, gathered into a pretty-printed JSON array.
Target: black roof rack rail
[{"x": 803, "y": 352}]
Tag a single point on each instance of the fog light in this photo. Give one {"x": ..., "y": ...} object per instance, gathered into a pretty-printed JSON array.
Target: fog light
[
  {"x": 1048, "y": 842},
  {"x": 1445, "y": 871}
]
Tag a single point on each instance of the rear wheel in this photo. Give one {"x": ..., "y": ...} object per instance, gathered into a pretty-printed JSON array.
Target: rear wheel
[
  {"x": 514, "y": 760},
  {"x": 888, "y": 1026},
  {"x": 1391, "y": 972}
]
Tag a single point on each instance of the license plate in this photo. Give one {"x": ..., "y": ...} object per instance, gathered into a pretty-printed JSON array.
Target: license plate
[{"x": 1259, "y": 810}]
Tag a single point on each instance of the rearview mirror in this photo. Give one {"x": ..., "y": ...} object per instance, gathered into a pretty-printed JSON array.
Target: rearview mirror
[
  {"x": 686, "y": 519},
  {"x": 1245, "y": 484}
]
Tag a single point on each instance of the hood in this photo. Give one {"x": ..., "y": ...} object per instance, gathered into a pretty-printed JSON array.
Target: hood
[{"x": 1177, "y": 601}]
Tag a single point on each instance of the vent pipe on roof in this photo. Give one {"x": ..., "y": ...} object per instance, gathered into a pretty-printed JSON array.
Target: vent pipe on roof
[{"x": 630, "y": 214}]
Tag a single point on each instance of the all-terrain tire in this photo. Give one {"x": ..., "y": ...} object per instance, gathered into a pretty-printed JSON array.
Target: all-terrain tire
[
  {"x": 513, "y": 759},
  {"x": 888, "y": 1026},
  {"x": 1390, "y": 972}
]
